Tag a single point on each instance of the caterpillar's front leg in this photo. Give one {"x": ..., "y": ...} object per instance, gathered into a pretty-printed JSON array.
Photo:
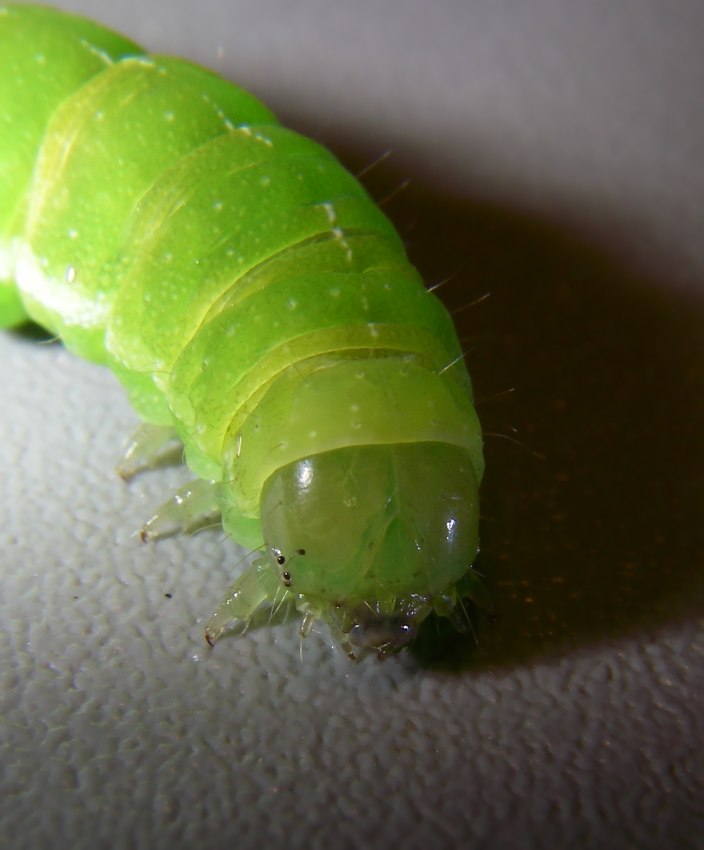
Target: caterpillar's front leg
[{"x": 259, "y": 583}]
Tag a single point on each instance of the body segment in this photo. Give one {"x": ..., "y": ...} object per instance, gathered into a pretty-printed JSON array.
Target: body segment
[{"x": 248, "y": 293}]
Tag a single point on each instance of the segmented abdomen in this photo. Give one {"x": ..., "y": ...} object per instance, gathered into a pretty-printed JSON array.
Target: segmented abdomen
[{"x": 239, "y": 282}]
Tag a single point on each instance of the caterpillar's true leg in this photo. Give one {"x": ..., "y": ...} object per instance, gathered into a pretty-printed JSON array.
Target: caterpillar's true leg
[
  {"x": 150, "y": 447},
  {"x": 257, "y": 585},
  {"x": 472, "y": 586},
  {"x": 190, "y": 509},
  {"x": 342, "y": 639}
]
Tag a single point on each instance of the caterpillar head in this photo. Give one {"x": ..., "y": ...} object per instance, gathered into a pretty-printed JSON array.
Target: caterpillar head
[{"x": 372, "y": 538}]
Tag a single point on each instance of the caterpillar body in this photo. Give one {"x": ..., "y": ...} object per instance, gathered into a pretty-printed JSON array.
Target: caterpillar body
[{"x": 249, "y": 295}]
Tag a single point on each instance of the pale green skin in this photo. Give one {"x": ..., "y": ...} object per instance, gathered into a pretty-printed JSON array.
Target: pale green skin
[{"x": 244, "y": 289}]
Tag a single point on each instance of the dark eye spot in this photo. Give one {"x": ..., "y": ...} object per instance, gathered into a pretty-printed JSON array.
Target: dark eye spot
[
  {"x": 286, "y": 579},
  {"x": 301, "y": 551},
  {"x": 281, "y": 560}
]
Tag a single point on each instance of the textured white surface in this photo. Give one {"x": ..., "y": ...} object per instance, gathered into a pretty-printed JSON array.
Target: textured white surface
[{"x": 119, "y": 728}]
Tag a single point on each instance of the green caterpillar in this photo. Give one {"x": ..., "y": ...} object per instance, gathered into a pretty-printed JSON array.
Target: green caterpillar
[{"x": 251, "y": 297}]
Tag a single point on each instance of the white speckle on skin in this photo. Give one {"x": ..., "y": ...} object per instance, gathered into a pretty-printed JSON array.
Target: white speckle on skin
[
  {"x": 312, "y": 434},
  {"x": 40, "y": 58},
  {"x": 334, "y": 292},
  {"x": 72, "y": 233},
  {"x": 218, "y": 206},
  {"x": 330, "y": 212},
  {"x": 169, "y": 116},
  {"x": 354, "y": 408},
  {"x": 70, "y": 274},
  {"x": 265, "y": 181},
  {"x": 292, "y": 304},
  {"x": 373, "y": 330}
]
